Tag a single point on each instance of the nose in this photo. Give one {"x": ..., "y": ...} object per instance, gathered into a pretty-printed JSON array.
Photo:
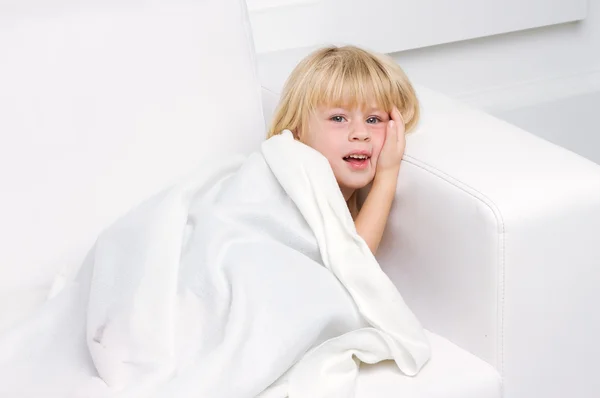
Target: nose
[{"x": 359, "y": 132}]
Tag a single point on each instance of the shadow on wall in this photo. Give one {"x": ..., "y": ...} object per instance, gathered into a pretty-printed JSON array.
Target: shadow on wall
[{"x": 570, "y": 122}]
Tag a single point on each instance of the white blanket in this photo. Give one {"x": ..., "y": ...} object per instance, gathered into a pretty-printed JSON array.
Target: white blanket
[{"x": 246, "y": 279}]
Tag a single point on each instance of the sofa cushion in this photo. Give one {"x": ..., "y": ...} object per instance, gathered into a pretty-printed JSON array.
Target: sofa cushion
[{"x": 451, "y": 373}]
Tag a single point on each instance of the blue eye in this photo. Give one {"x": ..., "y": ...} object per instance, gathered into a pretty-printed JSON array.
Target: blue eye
[
  {"x": 336, "y": 118},
  {"x": 374, "y": 118}
]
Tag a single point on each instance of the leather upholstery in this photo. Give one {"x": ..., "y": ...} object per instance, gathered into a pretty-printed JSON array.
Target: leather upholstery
[
  {"x": 493, "y": 242},
  {"x": 103, "y": 103}
]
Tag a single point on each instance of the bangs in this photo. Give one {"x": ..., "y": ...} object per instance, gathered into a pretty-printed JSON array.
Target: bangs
[
  {"x": 348, "y": 77},
  {"x": 356, "y": 82}
]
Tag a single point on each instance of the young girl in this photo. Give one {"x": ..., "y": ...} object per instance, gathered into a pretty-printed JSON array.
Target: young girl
[{"x": 354, "y": 107}]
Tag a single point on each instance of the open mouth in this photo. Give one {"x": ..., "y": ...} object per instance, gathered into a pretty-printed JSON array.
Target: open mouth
[{"x": 357, "y": 161}]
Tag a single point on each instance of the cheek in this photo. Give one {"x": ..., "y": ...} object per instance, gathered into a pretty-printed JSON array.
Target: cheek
[{"x": 325, "y": 144}]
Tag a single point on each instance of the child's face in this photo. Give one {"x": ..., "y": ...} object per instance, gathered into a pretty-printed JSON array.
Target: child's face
[{"x": 351, "y": 140}]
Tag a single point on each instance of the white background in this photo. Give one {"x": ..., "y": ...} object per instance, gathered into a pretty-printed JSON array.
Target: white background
[{"x": 544, "y": 79}]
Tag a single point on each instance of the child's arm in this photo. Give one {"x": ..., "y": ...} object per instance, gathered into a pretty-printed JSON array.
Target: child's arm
[
  {"x": 372, "y": 218},
  {"x": 373, "y": 215}
]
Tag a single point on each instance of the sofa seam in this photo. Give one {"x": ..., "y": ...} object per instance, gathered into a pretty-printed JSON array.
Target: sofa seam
[
  {"x": 470, "y": 190},
  {"x": 249, "y": 38}
]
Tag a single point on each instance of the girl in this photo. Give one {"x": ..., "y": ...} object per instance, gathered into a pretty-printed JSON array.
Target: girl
[{"x": 354, "y": 107}]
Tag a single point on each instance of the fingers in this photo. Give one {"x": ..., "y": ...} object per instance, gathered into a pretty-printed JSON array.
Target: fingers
[
  {"x": 391, "y": 131},
  {"x": 398, "y": 121},
  {"x": 397, "y": 117}
]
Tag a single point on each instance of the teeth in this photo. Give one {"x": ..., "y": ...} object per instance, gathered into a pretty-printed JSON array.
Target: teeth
[{"x": 358, "y": 156}]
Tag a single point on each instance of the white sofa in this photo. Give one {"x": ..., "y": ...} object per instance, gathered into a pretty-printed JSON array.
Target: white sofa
[{"x": 493, "y": 239}]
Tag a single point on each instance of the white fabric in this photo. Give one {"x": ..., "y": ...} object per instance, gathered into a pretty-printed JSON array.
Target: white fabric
[
  {"x": 242, "y": 275},
  {"x": 101, "y": 104}
]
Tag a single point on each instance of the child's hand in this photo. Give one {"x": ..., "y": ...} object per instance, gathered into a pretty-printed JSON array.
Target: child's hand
[{"x": 388, "y": 164}]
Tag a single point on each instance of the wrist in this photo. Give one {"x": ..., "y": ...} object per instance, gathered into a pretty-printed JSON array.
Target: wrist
[
  {"x": 385, "y": 183},
  {"x": 387, "y": 177}
]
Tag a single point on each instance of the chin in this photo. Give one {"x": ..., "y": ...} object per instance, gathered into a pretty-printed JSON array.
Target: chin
[{"x": 358, "y": 184}]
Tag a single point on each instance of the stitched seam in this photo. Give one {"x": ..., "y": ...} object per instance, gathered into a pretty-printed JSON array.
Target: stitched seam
[
  {"x": 501, "y": 245},
  {"x": 251, "y": 51}
]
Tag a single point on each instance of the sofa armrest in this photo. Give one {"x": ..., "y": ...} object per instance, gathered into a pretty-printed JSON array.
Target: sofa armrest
[{"x": 493, "y": 241}]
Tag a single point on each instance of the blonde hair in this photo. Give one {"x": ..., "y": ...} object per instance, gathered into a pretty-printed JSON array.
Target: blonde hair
[{"x": 345, "y": 76}]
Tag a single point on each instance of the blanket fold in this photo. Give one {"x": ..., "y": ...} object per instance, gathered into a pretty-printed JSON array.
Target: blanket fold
[{"x": 246, "y": 279}]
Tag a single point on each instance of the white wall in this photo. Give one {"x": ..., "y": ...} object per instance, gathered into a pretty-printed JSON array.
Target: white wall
[
  {"x": 515, "y": 69},
  {"x": 516, "y": 76},
  {"x": 487, "y": 71},
  {"x": 570, "y": 122},
  {"x": 470, "y": 68},
  {"x": 398, "y": 25},
  {"x": 546, "y": 80}
]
